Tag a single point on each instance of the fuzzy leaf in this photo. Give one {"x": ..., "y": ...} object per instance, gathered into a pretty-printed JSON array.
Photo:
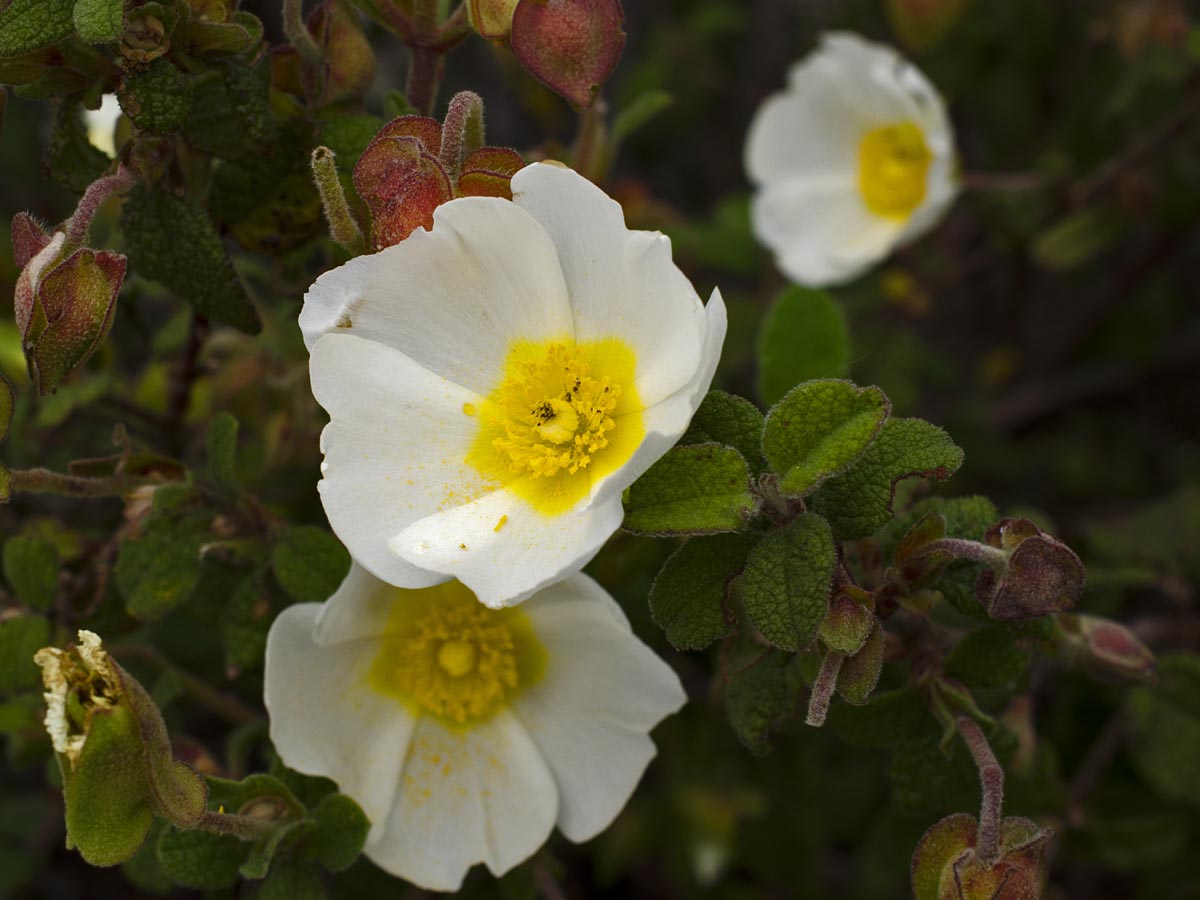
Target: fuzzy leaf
[
  {"x": 28, "y": 25},
  {"x": 222, "y": 452},
  {"x": 859, "y": 501},
  {"x": 157, "y": 98},
  {"x": 730, "y": 420},
  {"x": 201, "y": 860},
  {"x": 173, "y": 242},
  {"x": 688, "y": 597},
  {"x": 787, "y": 582},
  {"x": 819, "y": 428},
  {"x": 99, "y": 21},
  {"x": 31, "y": 568},
  {"x": 20, "y": 638},
  {"x": 156, "y": 571},
  {"x": 341, "y": 831},
  {"x": 988, "y": 657},
  {"x": 803, "y": 336},
  {"x": 309, "y": 563},
  {"x": 71, "y": 160},
  {"x": 291, "y": 880},
  {"x": 1165, "y": 726},
  {"x": 883, "y": 721},
  {"x": 700, "y": 489},
  {"x": 758, "y": 695}
]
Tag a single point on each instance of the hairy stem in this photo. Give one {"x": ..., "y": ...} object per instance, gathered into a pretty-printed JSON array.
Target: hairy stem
[
  {"x": 243, "y": 827},
  {"x": 298, "y": 34},
  {"x": 425, "y": 66},
  {"x": 221, "y": 704},
  {"x": 462, "y": 131},
  {"x": 95, "y": 195},
  {"x": 46, "y": 481},
  {"x": 823, "y": 688},
  {"x": 343, "y": 227},
  {"x": 972, "y": 550},
  {"x": 991, "y": 781}
]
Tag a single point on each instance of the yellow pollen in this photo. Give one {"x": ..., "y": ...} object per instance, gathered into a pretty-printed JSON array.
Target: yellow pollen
[
  {"x": 449, "y": 656},
  {"x": 457, "y": 658},
  {"x": 500, "y": 524},
  {"x": 469, "y": 409},
  {"x": 893, "y": 164}
]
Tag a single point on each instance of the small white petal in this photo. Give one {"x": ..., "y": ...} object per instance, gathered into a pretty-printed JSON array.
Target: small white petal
[
  {"x": 395, "y": 448},
  {"x": 358, "y": 609},
  {"x": 324, "y": 718},
  {"x": 602, "y": 692},
  {"x": 505, "y": 563},
  {"x": 621, "y": 283},
  {"x": 453, "y": 299},
  {"x": 476, "y": 795}
]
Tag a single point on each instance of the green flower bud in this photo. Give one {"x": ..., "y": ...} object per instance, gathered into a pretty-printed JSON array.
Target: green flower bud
[
  {"x": 849, "y": 621},
  {"x": 349, "y": 62},
  {"x": 571, "y": 46},
  {"x": 114, "y": 754},
  {"x": 860, "y": 673},
  {"x": 491, "y": 18},
  {"x": 1042, "y": 574},
  {"x": 946, "y": 865}
]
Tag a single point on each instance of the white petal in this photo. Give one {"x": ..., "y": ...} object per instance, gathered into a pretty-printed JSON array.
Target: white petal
[
  {"x": 505, "y": 563},
  {"x": 821, "y": 233},
  {"x": 470, "y": 795},
  {"x": 453, "y": 298},
  {"x": 395, "y": 448},
  {"x": 358, "y": 609},
  {"x": 324, "y": 721},
  {"x": 602, "y": 692},
  {"x": 621, "y": 283}
]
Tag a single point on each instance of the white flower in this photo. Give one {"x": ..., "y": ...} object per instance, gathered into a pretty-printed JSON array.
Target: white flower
[
  {"x": 101, "y": 124},
  {"x": 494, "y": 385},
  {"x": 466, "y": 733},
  {"x": 855, "y": 157}
]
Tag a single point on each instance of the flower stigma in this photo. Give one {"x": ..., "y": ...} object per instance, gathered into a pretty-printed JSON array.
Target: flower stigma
[{"x": 893, "y": 162}]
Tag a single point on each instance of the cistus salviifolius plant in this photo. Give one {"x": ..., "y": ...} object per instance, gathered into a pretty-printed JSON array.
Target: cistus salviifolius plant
[{"x": 574, "y": 448}]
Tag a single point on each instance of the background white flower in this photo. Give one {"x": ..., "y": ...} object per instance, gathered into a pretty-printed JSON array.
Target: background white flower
[
  {"x": 101, "y": 124},
  {"x": 467, "y": 733},
  {"x": 855, "y": 157},
  {"x": 494, "y": 385}
]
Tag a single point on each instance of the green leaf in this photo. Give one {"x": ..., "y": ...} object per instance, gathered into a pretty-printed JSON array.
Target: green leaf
[
  {"x": 157, "y": 98},
  {"x": 347, "y": 137},
  {"x": 222, "y": 452},
  {"x": 804, "y": 336},
  {"x": 290, "y": 880},
  {"x": 787, "y": 582},
  {"x": 243, "y": 31},
  {"x": 259, "y": 795},
  {"x": 1145, "y": 841},
  {"x": 757, "y": 696},
  {"x": 99, "y": 21},
  {"x": 20, "y": 638},
  {"x": 988, "y": 657},
  {"x": 28, "y": 25},
  {"x": 7, "y": 402},
  {"x": 244, "y": 624},
  {"x": 156, "y": 571},
  {"x": 699, "y": 489},
  {"x": 201, "y": 860},
  {"x": 31, "y": 568},
  {"x": 1076, "y": 238},
  {"x": 258, "y": 863},
  {"x": 731, "y": 420},
  {"x": 859, "y": 501},
  {"x": 1165, "y": 729},
  {"x": 341, "y": 831},
  {"x": 231, "y": 112},
  {"x": 309, "y": 563},
  {"x": 883, "y": 721},
  {"x": 819, "y": 428},
  {"x": 173, "y": 242},
  {"x": 71, "y": 159},
  {"x": 688, "y": 597},
  {"x": 645, "y": 107},
  {"x": 927, "y": 783}
]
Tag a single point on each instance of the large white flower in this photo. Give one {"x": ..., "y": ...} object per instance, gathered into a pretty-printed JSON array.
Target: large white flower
[
  {"x": 494, "y": 384},
  {"x": 855, "y": 157},
  {"x": 466, "y": 733}
]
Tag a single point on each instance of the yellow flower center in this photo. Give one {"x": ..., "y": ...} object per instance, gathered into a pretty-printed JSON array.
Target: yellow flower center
[
  {"x": 563, "y": 414},
  {"x": 893, "y": 162},
  {"x": 447, "y": 655}
]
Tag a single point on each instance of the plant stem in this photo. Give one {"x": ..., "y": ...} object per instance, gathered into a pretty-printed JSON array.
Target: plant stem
[
  {"x": 343, "y": 227},
  {"x": 243, "y": 827},
  {"x": 991, "y": 782},
  {"x": 823, "y": 688},
  {"x": 227, "y": 707},
  {"x": 179, "y": 388},
  {"x": 97, "y": 192},
  {"x": 45, "y": 481},
  {"x": 298, "y": 34},
  {"x": 424, "y": 72},
  {"x": 462, "y": 131},
  {"x": 972, "y": 550}
]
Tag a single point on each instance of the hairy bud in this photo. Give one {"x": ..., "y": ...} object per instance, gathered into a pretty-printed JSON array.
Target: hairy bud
[
  {"x": 946, "y": 865},
  {"x": 1042, "y": 574},
  {"x": 1104, "y": 645},
  {"x": 571, "y": 46}
]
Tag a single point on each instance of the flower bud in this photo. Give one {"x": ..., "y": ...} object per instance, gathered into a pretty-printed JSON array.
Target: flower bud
[
  {"x": 1042, "y": 574},
  {"x": 946, "y": 866},
  {"x": 860, "y": 673},
  {"x": 849, "y": 621},
  {"x": 491, "y": 18},
  {"x": 63, "y": 306},
  {"x": 571, "y": 46},
  {"x": 114, "y": 754},
  {"x": 1104, "y": 645},
  {"x": 349, "y": 67}
]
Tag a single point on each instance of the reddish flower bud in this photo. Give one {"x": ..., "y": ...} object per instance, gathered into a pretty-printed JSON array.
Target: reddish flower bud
[
  {"x": 571, "y": 46},
  {"x": 28, "y": 239},
  {"x": 63, "y": 307},
  {"x": 488, "y": 172},
  {"x": 1104, "y": 645},
  {"x": 945, "y": 865},
  {"x": 1042, "y": 575},
  {"x": 491, "y": 18}
]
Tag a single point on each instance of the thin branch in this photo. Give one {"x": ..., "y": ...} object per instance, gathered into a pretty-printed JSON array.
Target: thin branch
[
  {"x": 224, "y": 705},
  {"x": 823, "y": 688},
  {"x": 991, "y": 782}
]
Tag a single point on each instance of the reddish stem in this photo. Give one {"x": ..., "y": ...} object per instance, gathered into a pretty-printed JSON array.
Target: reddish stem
[
  {"x": 823, "y": 688},
  {"x": 991, "y": 781}
]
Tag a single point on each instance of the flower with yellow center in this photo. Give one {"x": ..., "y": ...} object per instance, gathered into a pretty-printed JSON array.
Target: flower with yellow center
[
  {"x": 466, "y": 733},
  {"x": 494, "y": 385},
  {"x": 854, "y": 158}
]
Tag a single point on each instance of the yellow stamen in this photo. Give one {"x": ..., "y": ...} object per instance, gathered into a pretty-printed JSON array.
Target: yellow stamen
[{"x": 893, "y": 163}]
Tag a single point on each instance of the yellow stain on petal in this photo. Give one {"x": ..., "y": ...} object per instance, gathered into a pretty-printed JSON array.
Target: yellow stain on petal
[
  {"x": 447, "y": 655},
  {"x": 563, "y": 415},
  {"x": 500, "y": 523},
  {"x": 893, "y": 165}
]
